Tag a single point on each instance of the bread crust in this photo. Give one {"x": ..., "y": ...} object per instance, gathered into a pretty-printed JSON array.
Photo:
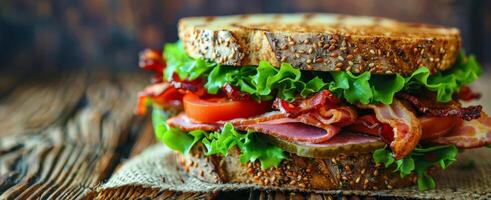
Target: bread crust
[
  {"x": 321, "y": 42},
  {"x": 347, "y": 172}
]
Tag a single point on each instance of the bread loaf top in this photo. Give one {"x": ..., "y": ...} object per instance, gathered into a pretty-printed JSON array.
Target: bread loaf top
[{"x": 321, "y": 42}]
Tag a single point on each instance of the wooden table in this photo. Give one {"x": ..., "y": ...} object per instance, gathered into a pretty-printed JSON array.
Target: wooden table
[{"x": 62, "y": 136}]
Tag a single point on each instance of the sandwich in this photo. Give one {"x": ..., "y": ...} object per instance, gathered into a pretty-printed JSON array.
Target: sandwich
[{"x": 314, "y": 101}]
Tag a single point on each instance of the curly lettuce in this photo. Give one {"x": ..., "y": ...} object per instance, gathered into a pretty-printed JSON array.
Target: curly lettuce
[
  {"x": 419, "y": 161},
  {"x": 252, "y": 147},
  {"x": 266, "y": 81}
]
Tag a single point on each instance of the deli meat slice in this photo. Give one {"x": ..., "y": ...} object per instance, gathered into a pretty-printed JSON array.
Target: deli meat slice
[
  {"x": 406, "y": 127},
  {"x": 274, "y": 123},
  {"x": 184, "y": 123},
  {"x": 469, "y": 134},
  {"x": 292, "y": 131}
]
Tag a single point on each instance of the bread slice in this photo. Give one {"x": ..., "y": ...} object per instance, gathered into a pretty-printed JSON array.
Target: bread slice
[
  {"x": 356, "y": 171},
  {"x": 321, "y": 42}
]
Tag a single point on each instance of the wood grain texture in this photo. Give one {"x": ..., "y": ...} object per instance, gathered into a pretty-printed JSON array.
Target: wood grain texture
[{"x": 62, "y": 138}]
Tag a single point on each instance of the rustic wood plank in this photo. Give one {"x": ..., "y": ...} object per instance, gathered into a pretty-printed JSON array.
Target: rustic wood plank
[{"x": 68, "y": 137}]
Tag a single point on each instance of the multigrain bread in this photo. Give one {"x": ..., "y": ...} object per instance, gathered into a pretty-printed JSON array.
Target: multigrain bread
[
  {"x": 321, "y": 42},
  {"x": 354, "y": 171}
]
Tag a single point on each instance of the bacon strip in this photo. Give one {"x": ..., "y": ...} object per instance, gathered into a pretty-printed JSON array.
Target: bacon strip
[
  {"x": 323, "y": 98},
  {"x": 428, "y": 105},
  {"x": 469, "y": 134},
  {"x": 406, "y": 127}
]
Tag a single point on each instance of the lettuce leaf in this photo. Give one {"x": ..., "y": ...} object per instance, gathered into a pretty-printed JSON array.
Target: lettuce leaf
[
  {"x": 251, "y": 145},
  {"x": 419, "y": 161},
  {"x": 265, "y": 81}
]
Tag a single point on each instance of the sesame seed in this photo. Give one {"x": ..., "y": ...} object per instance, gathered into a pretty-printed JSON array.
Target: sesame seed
[
  {"x": 350, "y": 63},
  {"x": 309, "y": 61},
  {"x": 349, "y": 57},
  {"x": 363, "y": 171},
  {"x": 357, "y": 179},
  {"x": 332, "y": 47},
  {"x": 340, "y": 58},
  {"x": 284, "y": 47},
  {"x": 389, "y": 186},
  {"x": 301, "y": 185},
  {"x": 291, "y": 43},
  {"x": 290, "y": 39},
  {"x": 311, "y": 50},
  {"x": 309, "y": 67},
  {"x": 334, "y": 55},
  {"x": 372, "y": 51},
  {"x": 339, "y": 64},
  {"x": 306, "y": 41},
  {"x": 375, "y": 173},
  {"x": 297, "y": 55},
  {"x": 266, "y": 181},
  {"x": 319, "y": 60},
  {"x": 325, "y": 46},
  {"x": 366, "y": 181},
  {"x": 301, "y": 51},
  {"x": 355, "y": 50},
  {"x": 293, "y": 182},
  {"x": 283, "y": 59},
  {"x": 371, "y": 65}
]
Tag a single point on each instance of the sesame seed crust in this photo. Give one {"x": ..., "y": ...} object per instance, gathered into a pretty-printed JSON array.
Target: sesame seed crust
[
  {"x": 323, "y": 42},
  {"x": 354, "y": 171}
]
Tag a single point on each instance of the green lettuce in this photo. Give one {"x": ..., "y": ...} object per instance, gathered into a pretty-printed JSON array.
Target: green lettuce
[
  {"x": 252, "y": 147},
  {"x": 419, "y": 161},
  {"x": 265, "y": 81}
]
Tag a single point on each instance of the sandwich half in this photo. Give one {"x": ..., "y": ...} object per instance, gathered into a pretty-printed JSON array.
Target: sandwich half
[{"x": 314, "y": 101}]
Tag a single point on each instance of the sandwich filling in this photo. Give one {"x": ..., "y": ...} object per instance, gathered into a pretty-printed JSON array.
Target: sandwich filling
[{"x": 412, "y": 122}]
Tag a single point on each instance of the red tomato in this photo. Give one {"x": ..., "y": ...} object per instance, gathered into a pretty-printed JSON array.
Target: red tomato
[{"x": 210, "y": 110}]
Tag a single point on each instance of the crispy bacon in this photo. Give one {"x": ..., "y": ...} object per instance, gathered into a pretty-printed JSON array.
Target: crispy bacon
[
  {"x": 301, "y": 106},
  {"x": 369, "y": 124},
  {"x": 427, "y": 104},
  {"x": 152, "y": 60},
  {"x": 195, "y": 86},
  {"x": 234, "y": 93},
  {"x": 469, "y": 134},
  {"x": 434, "y": 127},
  {"x": 406, "y": 127},
  {"x": 466, "y": 94},
  {"x": 162, "y": 94}
]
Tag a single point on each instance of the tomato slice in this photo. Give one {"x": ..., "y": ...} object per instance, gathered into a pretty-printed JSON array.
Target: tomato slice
[{"x": 210, "y": 110}]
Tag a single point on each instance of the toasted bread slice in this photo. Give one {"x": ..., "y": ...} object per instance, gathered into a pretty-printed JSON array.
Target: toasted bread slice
[
  {"x": 321, "y": 42},
  {"x": 356, "y": 171}
]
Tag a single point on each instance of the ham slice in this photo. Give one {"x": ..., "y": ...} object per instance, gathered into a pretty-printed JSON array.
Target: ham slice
[
  {"x": 468, "y": 134},
  {"x": 309, "y": 127},
  {"x": 292, "y": 131},
  {"x": 406, "y": 127}
]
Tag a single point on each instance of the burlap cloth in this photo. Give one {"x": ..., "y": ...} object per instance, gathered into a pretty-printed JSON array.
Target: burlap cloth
[{"x": 469, "y": 178}]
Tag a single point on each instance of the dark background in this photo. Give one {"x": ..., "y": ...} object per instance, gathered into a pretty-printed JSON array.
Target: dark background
[{"x": 54, "y": 35}]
